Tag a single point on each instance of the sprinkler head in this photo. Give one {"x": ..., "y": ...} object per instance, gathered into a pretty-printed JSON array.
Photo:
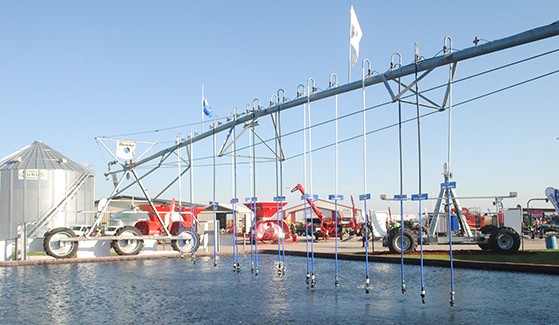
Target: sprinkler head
[{"x": 452, "y": 298}]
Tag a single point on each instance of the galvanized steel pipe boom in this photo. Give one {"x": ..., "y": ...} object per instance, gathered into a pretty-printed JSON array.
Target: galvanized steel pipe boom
[{"x": 426, "y": 65}]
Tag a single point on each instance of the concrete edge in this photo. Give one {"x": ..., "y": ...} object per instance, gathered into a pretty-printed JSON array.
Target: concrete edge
[{"x": 491, "y": 266}]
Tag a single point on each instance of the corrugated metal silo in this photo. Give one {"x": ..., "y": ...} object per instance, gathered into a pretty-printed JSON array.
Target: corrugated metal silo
[{"x": 39, "y": 185}]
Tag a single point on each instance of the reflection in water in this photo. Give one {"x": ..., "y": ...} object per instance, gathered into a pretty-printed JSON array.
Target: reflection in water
[{"x": 172, "y": 291}]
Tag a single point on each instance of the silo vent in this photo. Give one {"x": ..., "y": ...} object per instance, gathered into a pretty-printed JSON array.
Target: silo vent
[{"x": 62, "y": 160}]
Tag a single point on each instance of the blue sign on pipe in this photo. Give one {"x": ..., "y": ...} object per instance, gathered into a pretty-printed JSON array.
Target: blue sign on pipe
[
  {"x": 364, "y": 197},
  {"x": 448, "y": 185},
  {"x": 335, "y": 197},
  {"x": 233, "y": 201},
  {"x": 402, "y": 197},
  {"x": 418, "y": 197},
  {"x": 279, "y": 198}
]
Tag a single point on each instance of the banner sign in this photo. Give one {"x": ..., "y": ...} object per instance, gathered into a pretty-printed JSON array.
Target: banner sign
[
  {"x": 125, "y": 149},
  {"x": 553, "y": 196}
]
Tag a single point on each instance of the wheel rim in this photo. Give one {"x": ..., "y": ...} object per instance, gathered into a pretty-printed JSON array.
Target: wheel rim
[
  {"x": 185, "y": 241},
  {"x": 406, "y": 243},
  {"x": 61, "y": 248},
  {"x": 505, "y": 242},
  {"x": 128, "y": 244}
]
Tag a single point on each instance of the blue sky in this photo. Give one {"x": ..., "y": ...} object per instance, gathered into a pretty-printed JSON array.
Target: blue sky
[{"x": 71, "y": 71}]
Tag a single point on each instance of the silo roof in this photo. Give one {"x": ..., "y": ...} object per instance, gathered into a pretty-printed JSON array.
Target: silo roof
[{"x": 39, "y": 156}]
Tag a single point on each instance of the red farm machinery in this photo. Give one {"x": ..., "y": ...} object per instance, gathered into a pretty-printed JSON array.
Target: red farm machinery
[
  {"x": 325, "y": 227},
  {"x": 164, "y": 222},
  {"x": 266, "y": 227}
]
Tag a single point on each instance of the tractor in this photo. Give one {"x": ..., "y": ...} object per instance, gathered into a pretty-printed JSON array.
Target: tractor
[{"x": 438, "y": 229}]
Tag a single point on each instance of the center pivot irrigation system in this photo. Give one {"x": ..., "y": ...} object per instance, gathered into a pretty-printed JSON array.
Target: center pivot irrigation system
[{"x": 178, "y": 224}]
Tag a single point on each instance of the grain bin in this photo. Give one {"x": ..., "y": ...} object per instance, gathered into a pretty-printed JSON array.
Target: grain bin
[{"x": 42, "y": 187}]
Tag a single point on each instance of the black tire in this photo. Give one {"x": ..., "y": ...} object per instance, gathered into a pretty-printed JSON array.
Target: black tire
[
  {"x": 395, "y": 241},
  {"x": 185, "y": 244},
  {"x": 484, "y": 246},
  {"x": 487, "y": 229},
  {"x": 505, "y": 240},
  {"x": 57, "y": 249},
  {"x": 128, "y": 245}
]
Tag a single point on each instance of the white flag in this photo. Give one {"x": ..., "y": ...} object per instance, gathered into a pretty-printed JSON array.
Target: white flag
[
  {"x": 355, "y": 35},
  {"x": 125, "y": 149}
]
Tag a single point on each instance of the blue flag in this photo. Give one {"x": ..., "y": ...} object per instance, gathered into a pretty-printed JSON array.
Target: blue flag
[{"x": 208, "y": 111}]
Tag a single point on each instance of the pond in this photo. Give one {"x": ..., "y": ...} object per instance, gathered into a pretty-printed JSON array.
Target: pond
[{"x": 173, "y": 291}]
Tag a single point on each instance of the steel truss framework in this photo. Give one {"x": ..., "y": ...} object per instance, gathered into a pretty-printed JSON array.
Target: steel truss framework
[{"x": 249, "y": 119}]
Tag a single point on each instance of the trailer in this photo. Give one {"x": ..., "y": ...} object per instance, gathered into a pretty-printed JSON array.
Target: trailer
[
  {"x": 440, "y": 229},
  {"x": 167, "y": 223}
]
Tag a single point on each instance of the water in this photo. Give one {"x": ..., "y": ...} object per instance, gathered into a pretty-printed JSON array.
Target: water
[{"x": 173, "y": 291}]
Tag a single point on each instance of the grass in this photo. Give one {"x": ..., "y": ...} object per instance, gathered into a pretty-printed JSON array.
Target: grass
[
  {"x": 527, "y": 257},
  {"x": 530, "y": 257}
]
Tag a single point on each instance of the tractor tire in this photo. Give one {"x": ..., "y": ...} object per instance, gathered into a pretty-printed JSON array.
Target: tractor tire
[
  {"x": 488, "y": 229},
  {"x": 127, "y": 245},
  {"x": 57, "y": 249},
  {"x": 505, "y": 240},
  {"x": 395, "y": 241},
  {"x": 187, "y": 243}
]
